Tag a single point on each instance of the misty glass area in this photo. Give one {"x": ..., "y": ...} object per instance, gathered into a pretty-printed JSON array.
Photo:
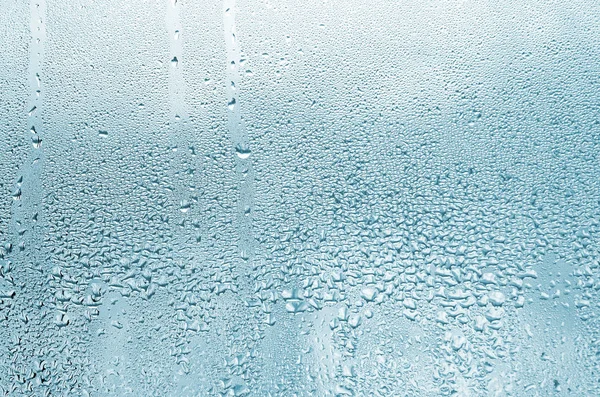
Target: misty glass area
[{"x": 299, "y": 198}]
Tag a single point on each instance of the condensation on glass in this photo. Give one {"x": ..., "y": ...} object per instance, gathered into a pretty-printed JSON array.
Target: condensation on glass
[{"x": 299, "y": 198}]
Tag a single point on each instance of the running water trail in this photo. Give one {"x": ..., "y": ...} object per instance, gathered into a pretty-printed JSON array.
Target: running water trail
[
  {"x": 25, "y": 257},
  {"x": 239, "y": 136},
  {"x": 29, "y": 184}
]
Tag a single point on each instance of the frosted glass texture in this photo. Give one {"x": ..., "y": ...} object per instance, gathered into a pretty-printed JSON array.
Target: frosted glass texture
[{"x": 300, "y": 198}]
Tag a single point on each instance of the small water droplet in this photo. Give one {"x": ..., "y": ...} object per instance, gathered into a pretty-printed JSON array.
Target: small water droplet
[
  {"x": 242, "y": 151},
  {"x": 37, "y": 141},
  {"x": 184, "y": 206},
  {"x": 369, "y": 294},
  {"x": 231, "y": 104}
]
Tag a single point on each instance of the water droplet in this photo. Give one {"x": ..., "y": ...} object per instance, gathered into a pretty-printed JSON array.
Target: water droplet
[
  {"x": 369, "y": 294},
  {"x": 36, "y": 140},
  {"x": 231, "y": 104},
  {"x": 242, "y": 151}
]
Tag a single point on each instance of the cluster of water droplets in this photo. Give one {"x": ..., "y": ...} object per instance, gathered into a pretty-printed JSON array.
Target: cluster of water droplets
[{"x": 280, "y": 199}]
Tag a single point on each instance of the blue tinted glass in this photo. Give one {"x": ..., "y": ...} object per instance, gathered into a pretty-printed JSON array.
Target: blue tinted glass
[{"x": 299, "y": 198}]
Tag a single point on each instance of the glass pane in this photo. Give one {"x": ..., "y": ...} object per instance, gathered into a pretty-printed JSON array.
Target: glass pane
[{"x": 299, "y": 198}]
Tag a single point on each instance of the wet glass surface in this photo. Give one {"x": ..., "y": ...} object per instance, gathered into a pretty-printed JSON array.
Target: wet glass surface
[{"x": 299, "y": 198}]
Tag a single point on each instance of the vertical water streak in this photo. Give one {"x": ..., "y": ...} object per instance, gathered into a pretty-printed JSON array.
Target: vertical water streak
[
  {"x": 176, "y": 85},
  {"x": 244, "y": 175},
  {"x": 238, "y": 135},
  {"x": 31, "y": 185},
  {"x": 29, "y": 298},
  {"x": 178, "y": 115}
]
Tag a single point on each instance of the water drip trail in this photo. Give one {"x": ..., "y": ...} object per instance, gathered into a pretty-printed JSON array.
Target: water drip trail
[
  {"x": 178, "y": 114},
  {"x": 238, "y": 135},
  {"x": 29, "y": 300},
  {"x": 29, "y": 184}
]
